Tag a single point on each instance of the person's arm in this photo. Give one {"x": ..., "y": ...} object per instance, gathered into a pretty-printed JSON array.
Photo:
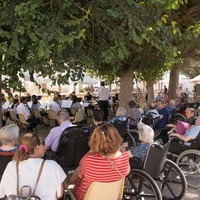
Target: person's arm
[
  {"x": 182, "y": 137},
  {"x": 73, "y": 178}
]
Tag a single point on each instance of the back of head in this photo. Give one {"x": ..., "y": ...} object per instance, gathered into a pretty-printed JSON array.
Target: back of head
[
  {"x": 105, "y": 139},
  {"x": 145, "y": 132},
  {"x": 9, "y": 133},
  {"x": 131, "y": 104},
  {"x": 121, "y": 111},
  {"x": 172, "y": 102},
  {"x": 102, "y": 83},
  {"x": 63, "y": 115},
  {"x": 22, "y": 99},
  {"x": 152, "y": 106},
  {"x": 97, "y": 115},
  {"x": 28, "y": 142}
]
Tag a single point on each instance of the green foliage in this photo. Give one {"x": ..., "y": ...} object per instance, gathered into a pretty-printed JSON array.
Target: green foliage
[{"x": 40, "y": 36}]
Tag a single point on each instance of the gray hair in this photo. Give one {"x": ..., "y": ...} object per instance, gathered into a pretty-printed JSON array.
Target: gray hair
[
  {"x": 63, "y": 115},
  {"x": 121, "y": 111},
  {"x": 9, "y": 133},
  {"x": 146, "y": 133}
]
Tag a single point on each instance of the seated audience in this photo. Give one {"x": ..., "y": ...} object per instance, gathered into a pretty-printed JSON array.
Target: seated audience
[
  {"x": 29, "y": 156},
  {"x": 104, "y": 156},
  {"x": 133, "y": 114},
  {"x": 171, "y": 108},
  {"x": 22, "y": 108},
  {"x": 52, "y": 140}
]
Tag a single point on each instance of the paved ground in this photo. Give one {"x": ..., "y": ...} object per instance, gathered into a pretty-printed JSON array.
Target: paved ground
[{"x": 192, "y": 193}]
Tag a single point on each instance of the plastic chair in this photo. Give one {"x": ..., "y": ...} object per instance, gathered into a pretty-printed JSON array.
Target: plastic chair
[
  {"x": 79, "y": 117},
  {"x": 23, "y": 120},
  {"x": 13, "y": 117},
  {"x": 111, "y": 191},
  {"x": 52, "y": 116}
]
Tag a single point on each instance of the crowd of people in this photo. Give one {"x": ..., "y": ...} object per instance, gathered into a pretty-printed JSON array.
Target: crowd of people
[{"x": 108, "y": 159}]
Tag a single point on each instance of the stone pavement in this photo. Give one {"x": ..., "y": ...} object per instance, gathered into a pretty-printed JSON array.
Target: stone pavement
[{"x": 192, "y": 193}]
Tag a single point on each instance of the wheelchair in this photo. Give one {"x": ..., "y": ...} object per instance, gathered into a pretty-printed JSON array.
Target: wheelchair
[
  {"x": 72, "y": 146},
  {"x": 158, "y": 179},
  {"x": 189, "y": 161}
]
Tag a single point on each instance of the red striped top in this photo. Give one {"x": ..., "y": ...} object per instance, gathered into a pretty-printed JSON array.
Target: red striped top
[{"x": 96, "y": 168}]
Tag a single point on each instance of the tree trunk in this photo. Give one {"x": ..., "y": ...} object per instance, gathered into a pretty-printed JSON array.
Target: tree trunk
[
  {"x": 126, "y": 87},
  {"x": 150, "y": 93},
  {"x": 173, "y": 82}
]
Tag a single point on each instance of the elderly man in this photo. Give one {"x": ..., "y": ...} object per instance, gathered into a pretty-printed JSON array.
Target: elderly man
[{"x": 52, "y": 140}]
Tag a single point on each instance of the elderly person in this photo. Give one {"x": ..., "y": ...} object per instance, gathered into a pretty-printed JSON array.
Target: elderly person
[
  {"x": 120, "y": 115},
  {"x": 133, "y": 114},
  {"x": 105, "y": 162},
  {"x": 29, "y": 160},
  {"x": 9, "y": 136},
  {"x": 52, "y": 140},
  {"x": 146, "y": 136},
  {"x": 191, "y": 134}
]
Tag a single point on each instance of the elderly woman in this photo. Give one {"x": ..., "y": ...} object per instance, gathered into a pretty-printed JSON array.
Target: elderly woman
[
  {"x": 120, "y": 115},
  {"x": 104, "y": 163},
  {"x": 29, "y": 160},
  {"x": 9, "y": 136},
  {"x": 146, "y": 136}
]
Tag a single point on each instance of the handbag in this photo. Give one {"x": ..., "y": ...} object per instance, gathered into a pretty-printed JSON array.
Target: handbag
[{"x": 31, "y": 195}]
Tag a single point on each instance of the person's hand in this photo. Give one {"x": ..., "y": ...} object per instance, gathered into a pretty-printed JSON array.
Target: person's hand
[
  {"x": 171, "y": 125},
  {"x": 174, "y": 135}
]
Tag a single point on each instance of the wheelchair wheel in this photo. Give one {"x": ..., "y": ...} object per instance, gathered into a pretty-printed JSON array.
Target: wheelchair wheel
[
  {"x": 140, "y": 185},
  {"x": 173, "y": 182},
  {"x": 130, "y": 139},
  {"x": 189, "y": 162}
]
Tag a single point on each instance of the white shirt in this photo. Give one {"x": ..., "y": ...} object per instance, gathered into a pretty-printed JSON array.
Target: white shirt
[
  {"x": 50, "y": 180},
  {"x": 22, "y": 109},
  {"x": 103, "y": 94},
  {"x": 54, "y": 106}
]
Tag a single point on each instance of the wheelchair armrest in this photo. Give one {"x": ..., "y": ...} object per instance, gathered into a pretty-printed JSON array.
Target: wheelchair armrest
[{"x": 176, "y": 139}]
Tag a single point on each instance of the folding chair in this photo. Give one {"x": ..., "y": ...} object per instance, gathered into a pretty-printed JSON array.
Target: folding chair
[
  {"x": 101, "y": 191},
  {"x": 13, "y": 117},
  {"x": 23, "y": 121}
]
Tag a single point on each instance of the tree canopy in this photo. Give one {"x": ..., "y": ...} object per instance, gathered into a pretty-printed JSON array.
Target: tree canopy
[{"x": 40, "y": 36}]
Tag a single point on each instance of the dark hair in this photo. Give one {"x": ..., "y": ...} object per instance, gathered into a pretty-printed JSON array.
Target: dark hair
[
  {"x": 22, "y": 99},
  {"x": 97, "y": 115},
  {"x": 102, "y": 83},
  {"x": 105, "y": 139}
]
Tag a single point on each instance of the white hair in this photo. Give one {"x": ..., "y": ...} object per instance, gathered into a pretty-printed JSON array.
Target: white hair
[
  {"x": 9, "y": 133},
  {"x": 121, "y": 111},
  {"x": 146, "y": 133}
]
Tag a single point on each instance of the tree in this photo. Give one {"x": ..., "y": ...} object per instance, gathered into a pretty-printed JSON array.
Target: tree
[
  {"x": 39, "y": 36},
  {"x": 122, "y": 35}
]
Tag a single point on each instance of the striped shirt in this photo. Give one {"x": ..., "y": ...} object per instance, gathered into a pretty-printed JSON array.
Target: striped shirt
[{"x": 96, "y": 168}]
